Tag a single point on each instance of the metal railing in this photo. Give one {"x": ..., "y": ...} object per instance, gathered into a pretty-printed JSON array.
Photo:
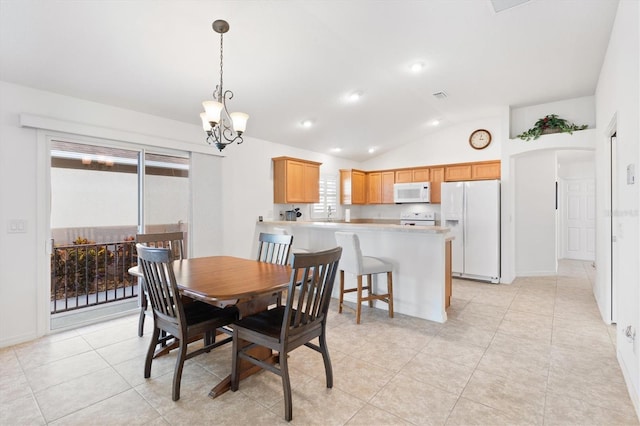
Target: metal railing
[{"x": 87, "y": 274}]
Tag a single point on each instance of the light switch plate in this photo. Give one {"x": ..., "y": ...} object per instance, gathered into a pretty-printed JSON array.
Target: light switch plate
[
  {"x": 631, "y": 174},
  {"x": 16, "y": 226}
]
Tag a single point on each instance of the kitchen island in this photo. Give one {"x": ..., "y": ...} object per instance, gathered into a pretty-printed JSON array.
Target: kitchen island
[{"x": 420, "y": 255}]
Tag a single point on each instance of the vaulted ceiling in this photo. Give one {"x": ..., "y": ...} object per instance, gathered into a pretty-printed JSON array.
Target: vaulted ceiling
[{"x": 292, "y": 60}]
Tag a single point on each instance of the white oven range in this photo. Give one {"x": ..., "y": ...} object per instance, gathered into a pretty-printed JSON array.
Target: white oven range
[{"x": 418, "y": 218}]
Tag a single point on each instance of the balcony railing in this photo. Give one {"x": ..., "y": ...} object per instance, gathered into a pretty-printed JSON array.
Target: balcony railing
[{"x": 87, "y": 274}]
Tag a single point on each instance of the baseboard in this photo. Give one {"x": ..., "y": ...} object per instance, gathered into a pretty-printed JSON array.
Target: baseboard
[
  {"x": 633, "y": 392},
  {"x": 14, "y": 340}
]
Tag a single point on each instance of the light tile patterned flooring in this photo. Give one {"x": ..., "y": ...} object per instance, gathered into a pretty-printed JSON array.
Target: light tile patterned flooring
[{"x": 534, "y": 352}]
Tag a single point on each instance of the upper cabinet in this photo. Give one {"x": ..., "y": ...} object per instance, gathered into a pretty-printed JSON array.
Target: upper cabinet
[
  {"x": 352, "y": 187},
  {"x": 295, "y": 181},
  {"x": 437, "y": 177},
  {"x": 412, "y": 175},
  {"x": 380, "y": 187}
]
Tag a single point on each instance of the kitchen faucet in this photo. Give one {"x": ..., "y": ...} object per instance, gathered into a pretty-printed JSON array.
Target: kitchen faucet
[{"x": 329, "y": 214}]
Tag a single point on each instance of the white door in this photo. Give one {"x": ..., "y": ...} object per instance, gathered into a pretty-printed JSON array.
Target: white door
[{"x": 579, "y": 219}]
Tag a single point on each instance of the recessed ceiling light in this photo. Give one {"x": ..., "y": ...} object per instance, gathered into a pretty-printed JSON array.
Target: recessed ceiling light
[
  {"x": 417, "y": 67},
  {"x": 354, "y": 96},
  {"x": 435, "y": 122},
  {"x": 336, "y": 149},
  {"x": 306, "y": 123},
  {"x": 372, "y": 150}
]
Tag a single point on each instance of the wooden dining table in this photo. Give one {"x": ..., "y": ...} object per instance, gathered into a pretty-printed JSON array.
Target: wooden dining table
[{"x": 223, "y": 280}]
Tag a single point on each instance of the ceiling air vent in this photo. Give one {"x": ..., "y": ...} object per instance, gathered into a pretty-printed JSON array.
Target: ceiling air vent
[{"x": 439, "y": 95}]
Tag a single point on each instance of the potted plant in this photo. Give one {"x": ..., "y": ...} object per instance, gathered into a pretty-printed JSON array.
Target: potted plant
[{"x": 550, "y": 124}]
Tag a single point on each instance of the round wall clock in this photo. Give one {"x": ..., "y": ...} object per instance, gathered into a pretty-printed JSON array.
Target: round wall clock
[{"x": 480, "y": 139}]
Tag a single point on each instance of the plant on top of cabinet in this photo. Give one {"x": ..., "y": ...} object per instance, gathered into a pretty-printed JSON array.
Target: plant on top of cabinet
[
  {"x": 295, "y": 180},
  {"x": 550, "y": 124}
]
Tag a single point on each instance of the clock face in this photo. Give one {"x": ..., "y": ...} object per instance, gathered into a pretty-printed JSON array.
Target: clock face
[{"x": 480, "y": 139}]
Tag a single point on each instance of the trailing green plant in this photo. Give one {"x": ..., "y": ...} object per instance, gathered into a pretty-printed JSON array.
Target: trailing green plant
[{"x": 550, "y": 124}]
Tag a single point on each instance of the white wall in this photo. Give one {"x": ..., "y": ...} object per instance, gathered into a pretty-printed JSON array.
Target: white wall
[
  {"x": 578, "y": 111},
  {"x": 618, "y": 97},
  {"x": 448, "y": 145},
  {"x": 535, "y": 217},
  {"x": 248, "y": 189},
  {"x": 23, "y": 298}
]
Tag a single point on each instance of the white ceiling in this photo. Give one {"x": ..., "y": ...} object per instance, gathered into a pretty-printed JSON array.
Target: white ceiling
[{"x": 287, "y": 61}]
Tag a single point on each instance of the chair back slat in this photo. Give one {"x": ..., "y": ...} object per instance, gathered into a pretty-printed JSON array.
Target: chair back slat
[
  {"x": 309, "y": 291},
  {"x": 160, "y": 282},
  {"x": 274, "y": 248},
  {"x": 172, "y": 240}
]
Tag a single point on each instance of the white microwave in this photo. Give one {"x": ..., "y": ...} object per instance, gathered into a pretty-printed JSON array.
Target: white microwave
[{"x": 412, "y": 192}]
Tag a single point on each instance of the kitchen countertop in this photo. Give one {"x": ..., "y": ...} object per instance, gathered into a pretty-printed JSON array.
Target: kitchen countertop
[{"x": 363, "y": 225}]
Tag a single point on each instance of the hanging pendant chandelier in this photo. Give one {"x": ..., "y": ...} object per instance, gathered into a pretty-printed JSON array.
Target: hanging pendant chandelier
[{"x": 223, "y": 128}]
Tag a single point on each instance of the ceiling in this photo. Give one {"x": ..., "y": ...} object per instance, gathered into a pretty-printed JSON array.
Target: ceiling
[{"x": 290, "y": 60}]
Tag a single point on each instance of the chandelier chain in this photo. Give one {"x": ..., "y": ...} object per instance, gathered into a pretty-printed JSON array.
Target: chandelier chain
[{"x": 220, "y": 92}]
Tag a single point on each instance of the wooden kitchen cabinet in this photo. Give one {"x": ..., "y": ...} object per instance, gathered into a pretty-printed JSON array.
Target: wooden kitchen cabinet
[
  {"x": 485, "y": 170},
  {"x": 420, "y": 175},
  {"x": 457, "y": 172},
  {"x": 388, "y": 179},
  {"x": 404, "y": 176},
  {"x": 352, "y": 187},
  {"x": 437, "y": 177},
  {"x": 380, "y": 187},
  {"x": 374, "y": 188},
  {"x": 412, "y": 175},
  {"x": 295, "y": 180}
]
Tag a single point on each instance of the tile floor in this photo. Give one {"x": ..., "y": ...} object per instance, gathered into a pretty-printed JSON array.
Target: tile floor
[{"x": 534, "y": 352}]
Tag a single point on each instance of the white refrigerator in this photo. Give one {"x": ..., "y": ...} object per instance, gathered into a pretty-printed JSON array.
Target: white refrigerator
[{"x": 471, "y": 210}]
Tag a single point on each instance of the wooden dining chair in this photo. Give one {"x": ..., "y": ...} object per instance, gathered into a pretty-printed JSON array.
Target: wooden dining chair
[
  {"x": 184, "y": 322},
  {"x": 285, "y": 328},
  {"x": 171, "y": 240},
  {"x": 274, "y": 248},
  {"x": 354, "y": 262}
]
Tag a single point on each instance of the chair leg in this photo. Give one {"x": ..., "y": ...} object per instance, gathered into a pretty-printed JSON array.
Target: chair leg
[
  {"x": 143, "y": 308},
  {"x": 370, "y": 289},
  {"x": 235, "y": 363},
  {"x": 152, "y": 349},
  {"x": 359, "y": 307},
  {"x": 341, "y": 291},
  {"x": 390, "y": 291},
  {"x": 286, "y": 386},
  {"x": 322, "y": 340},
  {"x": 177, "y": 374}
]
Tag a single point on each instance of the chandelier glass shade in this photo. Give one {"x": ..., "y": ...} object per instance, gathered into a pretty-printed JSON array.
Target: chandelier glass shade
[{"x": 222, "y": 128}]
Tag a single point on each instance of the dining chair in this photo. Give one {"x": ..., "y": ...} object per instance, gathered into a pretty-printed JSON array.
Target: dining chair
[
  {"x": 274, "y": 248},
  {"x": 184, "y": 322},
  {"x": 172, "y": 240},
  {"x": 300, "y": 320},
  {"x": 355, "y": 263}
]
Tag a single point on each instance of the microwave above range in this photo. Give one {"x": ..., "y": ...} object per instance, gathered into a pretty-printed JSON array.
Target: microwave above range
[{"x": 412, "y": 192}]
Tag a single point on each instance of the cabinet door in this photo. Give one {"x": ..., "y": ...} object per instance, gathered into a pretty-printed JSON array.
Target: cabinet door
[
  {"x": 358, "y": 195},
  {"x": 345, "y": 187},
  {"x": 420, "y": 175},
  {"x": 374, "y": 188},
  {"x": 311, "y": 183},
  {"x": 456, "y": 173},
  {"x": 404, "y": 176},
  {"x": 485, "y": 171},
  {"x": 388, "y": 179},
  {"x": 437, "y": 177},
  {"x": 295, "y": 182}
]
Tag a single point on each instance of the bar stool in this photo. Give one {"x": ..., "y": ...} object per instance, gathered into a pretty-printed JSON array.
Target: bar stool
[{"x": 355, "y": 263}]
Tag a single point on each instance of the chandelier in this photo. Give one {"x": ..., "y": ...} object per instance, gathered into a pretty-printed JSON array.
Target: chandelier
[{"x": 223, "y": 128}]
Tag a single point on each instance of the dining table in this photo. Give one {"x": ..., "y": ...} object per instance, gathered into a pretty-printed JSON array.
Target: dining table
[{"x": 248, "y": 284}]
